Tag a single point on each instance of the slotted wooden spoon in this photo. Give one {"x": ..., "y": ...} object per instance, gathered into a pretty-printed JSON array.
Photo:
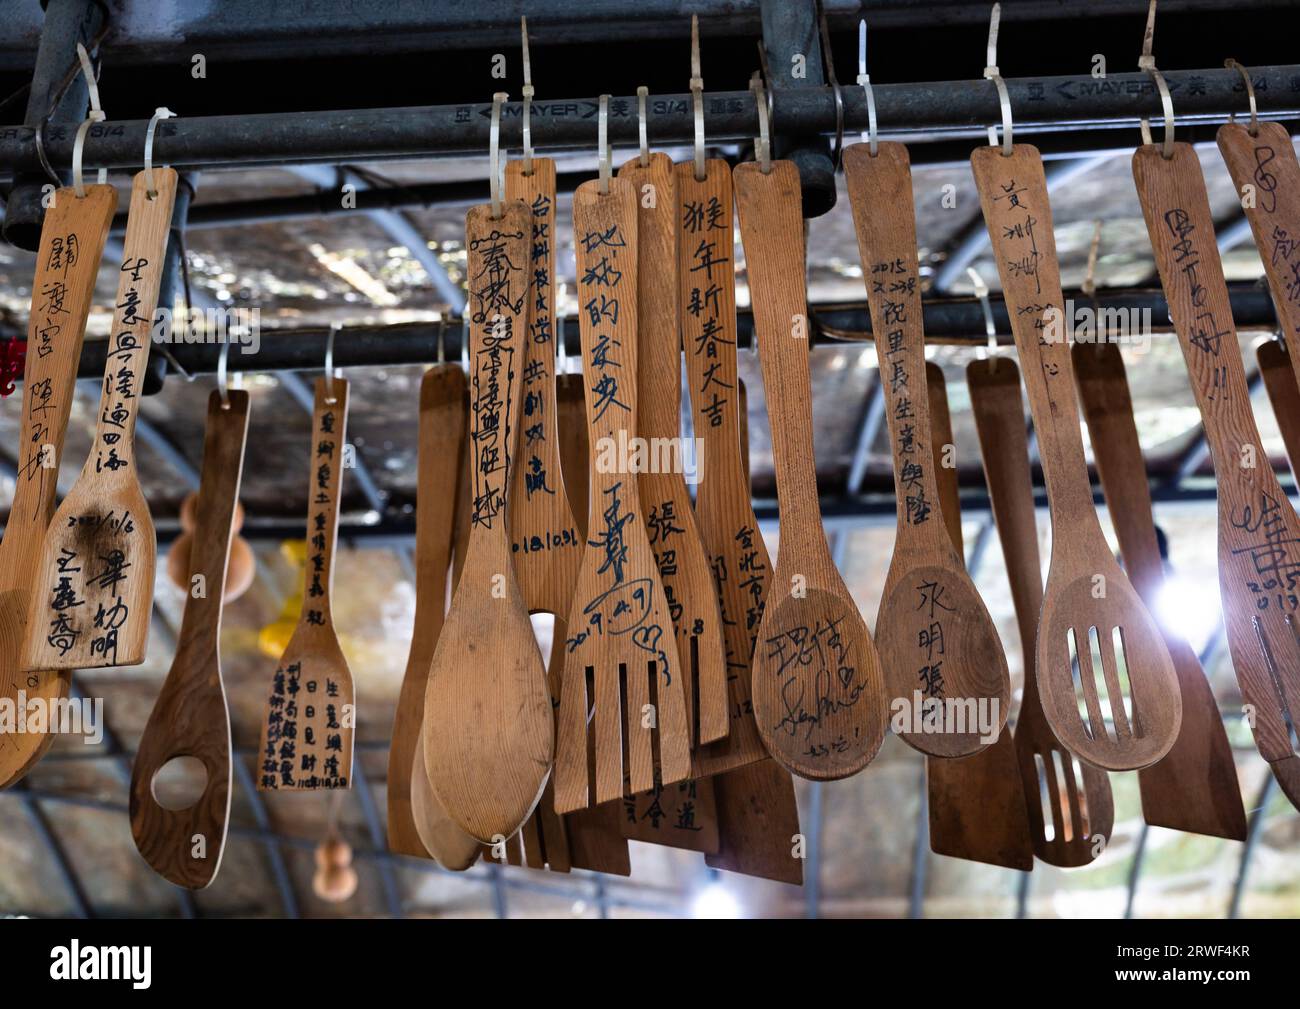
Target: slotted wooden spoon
[
  {"x": 189, "y": 718},
  {"x": 1276, "y": 369},
  {"x": 93, "y": 600},
  {"x": 977, "y": 803},
  {"x": 67, "y": 262},
  {"x": 1194, "y": 787},
  {"x": 1127, "y": 716},
  {"x": 819, "y": 697},
  {"x": 1068, "y": 796},
  {"x": 1259, "y": 533},
  {"x": 937, "y": 641},
  {"x": 310, "y": 712},
  {"x": 488, "y": 729}
]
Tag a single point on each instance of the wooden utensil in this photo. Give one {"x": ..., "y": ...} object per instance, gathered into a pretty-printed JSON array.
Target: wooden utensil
[
  {"x": 310, "y": 711},
  {"x": 757, "y": 813},
  {"x": 1089, "y": 607},
  {"x": 94, "y": 596},
  {"x": 1276, "y": 369},
  {"x": 488, "y": 732},
  {"x": 1259, "y": 534},
  {"x": 940, "y": 649},
  {"x": 819, "y": 698},
  {"x": 1194, "y": 787},
  {"x": 620, "y": 627},
  {"x": 1070, "y": 796},
  {"x": 441, "y": 445},
  {"x": 67, "y": 262},
  {"x": 240, "y": 570},
  {"x": 977, "y": 803},
  {"x": 189, "y": 718}
]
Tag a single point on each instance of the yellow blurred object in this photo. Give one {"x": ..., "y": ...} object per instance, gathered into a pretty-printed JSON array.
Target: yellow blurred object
[{"x": 273, "y": 639}]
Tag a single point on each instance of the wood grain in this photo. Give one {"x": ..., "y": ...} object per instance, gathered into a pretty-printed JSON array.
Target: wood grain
[
  {"x": 67, "y": 263},
  {"x": 93, "y": 601},
  {"x": 189, "y": 718},
  {"x": 1088, "y": 596}
]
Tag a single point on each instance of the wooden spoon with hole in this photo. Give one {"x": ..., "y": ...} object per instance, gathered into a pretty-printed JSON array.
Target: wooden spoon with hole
[
  {"x": 310, "y": 713},
  {"x": 1088, "y": 599},
  {"x": 67, "y": 262},
  {"x": 1259, "y": 533},
  {"x": 1070, "y": 796},
  {"x": 1194, "y": 787},
  {"x": 940, "y": 650},
  {"x": 93, "y": 600},
  {"x": 189, "y": 718},
  {"x": 488, "y": 728}
]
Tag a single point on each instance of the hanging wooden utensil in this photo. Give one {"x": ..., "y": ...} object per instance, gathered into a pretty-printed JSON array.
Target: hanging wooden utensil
[
  {"x": 93, "y": 600},
  {"x": 938, "y": 643},
  {"x": 1194, "y": 787},
  {"x": 977, "y": 803},
  {"x": 189, "y": 718},
  {"x": 1069, "y": 803},
  {"x": 1276, "y": 369},
  {"x": 489, "y": 734},
  {"x": 306, "y": 739},
  {"x": 441, "y": 444},
  {"x": 67, "y": 262},
  {"x": 1259, "y": 533},
  {"x": 1091, "y": 614},
  {"x": 620, "y": 627}
]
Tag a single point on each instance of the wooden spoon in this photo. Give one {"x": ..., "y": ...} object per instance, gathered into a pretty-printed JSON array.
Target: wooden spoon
[
  {"x": 310, "y": 712},
  {"x": 818, "y": 691},
  {"x": 977, "y": 803},
  {"x": 240, "y": 571},
  {"x": 67, "y": 262},
  {"x": 1195, "y": 786},
  {"x": 189, "y": 718},
  {"x": 1071, "y": 796},
  {"x": 1259, "y": 533},
  {"x": 940, "y": 647},
  {"x": 1276, "y": 369},
  {"x": 94, "y": 597},
  {"x": 441, "y": 446},
  {"x": 1089, "y": 607}
]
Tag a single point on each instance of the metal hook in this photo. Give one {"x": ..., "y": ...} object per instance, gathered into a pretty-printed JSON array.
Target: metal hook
[
  {"x": 528, "y": 100},
  {"x": 223, "y": 360},
  {"x": 697, "y": 98},
  {"x": 990, "y": 330},
  {"x": 602, "y": 143},
  {"x": 763, "y": 142},
  {"x": 464, "y": 343},
  {"x": 1253, "y": 128},
  {"x": 96, "y": 115},
  {"x": 829, "y": 67},
  {"x": 495, "y": 168},
  {"x": 150, "y": 190},
  {"x": 864, "y": 81},
  {"x": 1147, "y": 62},
  {"x": 992, "y": 73},
  {"x": 442, "y": 338},
  {"x": 641, "y": 93},
  {"x": 329, "y": 362}
]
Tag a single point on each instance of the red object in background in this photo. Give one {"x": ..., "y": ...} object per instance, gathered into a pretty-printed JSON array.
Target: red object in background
[{"x": 12, "y": 355}]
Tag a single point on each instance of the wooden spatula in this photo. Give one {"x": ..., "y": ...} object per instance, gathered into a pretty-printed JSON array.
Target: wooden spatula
[
  {"x": 936, "y": 638},
  {"x": 620, "y": 628},
  {"x": 310, "y": 712},
  {"x": 1259, "y": 534},
  {"x": 93, "y": 599},
  {"x": 977, "y": 803},
  {"x": 67, "y": 262},
  {"x": 489, "y": 734},
  {"x": 819, "y": 696},
  {"x": 1091, "y": 615},
  {"x": 441, "y": 444},
  {"x": 1069, "y": 803},
  {"x": 1279, "y": 376},
  {"x": 1194, "y": 787},
  {"x": 189, "y": 718}
]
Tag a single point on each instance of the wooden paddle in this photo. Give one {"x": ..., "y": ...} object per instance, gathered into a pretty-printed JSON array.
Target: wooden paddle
[
  {"x": 310, "y": 711},
  {"x": 67, "y": 262},
  {"x": 977, "y": 803},
  {"x": 938, "y": 643},
  {"x": 441, "y": 446},
  {"x": 1259, "y": 533},
  {"x": 819, "y": 697},
  {"x": 1194, "y": 787},
  {"x": 488, "y": 730},
  {"x": 1091, "y": 614},
  {"x": 189, "y": 718},
  {"x": 1069, "y": 803},
  {"x": 93, "y": 600},
  {"x": 1276, "y": 369}
]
